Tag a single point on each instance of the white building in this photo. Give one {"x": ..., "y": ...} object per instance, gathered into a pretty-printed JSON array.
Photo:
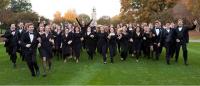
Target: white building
[{"x": 94, "y": 22}]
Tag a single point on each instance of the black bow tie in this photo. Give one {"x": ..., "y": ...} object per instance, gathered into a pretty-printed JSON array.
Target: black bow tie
[{"x": 31, "y": 33}]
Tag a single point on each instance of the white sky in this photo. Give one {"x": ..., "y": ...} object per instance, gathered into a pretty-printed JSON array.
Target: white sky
[{"x": 47, "y": 8}]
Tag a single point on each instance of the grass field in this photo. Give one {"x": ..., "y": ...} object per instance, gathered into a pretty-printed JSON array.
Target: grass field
[{"x": 95, "y": 73}]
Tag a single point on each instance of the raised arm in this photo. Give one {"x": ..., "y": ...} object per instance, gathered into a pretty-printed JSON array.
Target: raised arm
[
  {"x": 79, "y": 22},
  {"x": 89, "y": 23},
  {"x": 193, "y": 26}
]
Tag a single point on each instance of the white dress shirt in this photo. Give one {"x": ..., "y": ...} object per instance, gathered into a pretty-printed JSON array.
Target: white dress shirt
[
  {"x": 157, "y": 32},
  {"x": 180, "y": 28},
  {"x": 88, "y": 33},
  {"x": 31, "y": 37},
  {"x": 168, "y": 30}
]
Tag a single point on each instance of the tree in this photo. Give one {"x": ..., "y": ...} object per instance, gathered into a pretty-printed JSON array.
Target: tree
[
  {"x": 193, "y": 6},
  {"x": 83, "y": 17},
  {"x": 156, "y": 7},
  {"x": 27, "y": 16},
  {"x": 4, "y": 4},
  {"x": 42, "y": 18},
  {"x": 104, "y": 20},
  {"x": 126, "y": 11},
  {"x": 8, "y": 17},
  {"x": 144, "y": 10},
  {"x": 115, "y": 20},
  {"x": 163, "y": 17},
  {"x": 70, "y": 16},
  {"x": 57, "y": 17},
  {"x": 20, "y": 5},
  {"x": 19, "y": 10}
]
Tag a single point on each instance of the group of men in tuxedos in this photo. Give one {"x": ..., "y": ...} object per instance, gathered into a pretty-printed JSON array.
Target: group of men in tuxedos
[{"x": 67, "y": 41}]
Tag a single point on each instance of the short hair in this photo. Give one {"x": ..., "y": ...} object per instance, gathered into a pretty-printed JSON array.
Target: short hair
[{"x": 30, "y": 24}]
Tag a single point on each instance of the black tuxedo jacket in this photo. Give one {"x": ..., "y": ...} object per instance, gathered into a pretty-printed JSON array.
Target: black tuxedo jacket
[
  {"x": 183, "y": 35},
  {"x": 157, "y": 38},
  {"x": 25, "y": 39}
]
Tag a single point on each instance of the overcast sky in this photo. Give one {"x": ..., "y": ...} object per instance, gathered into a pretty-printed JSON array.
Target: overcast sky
[{"x": 47, "y": 8}]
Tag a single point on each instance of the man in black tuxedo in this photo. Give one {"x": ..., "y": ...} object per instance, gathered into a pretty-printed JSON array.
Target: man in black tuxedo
[
  {"x": 173, "y": 47},
  {"x": 20, "y": 31},
  {"x": 168, "y": 38},
  {"x": 11, "y": 42},
  {"x": 29, "y": 42},
  {"x": 182, "y": 38},
  {"x": 157, "y": 37}
]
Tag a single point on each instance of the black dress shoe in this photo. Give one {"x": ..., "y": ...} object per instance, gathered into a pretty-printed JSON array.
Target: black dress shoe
[
  {"x": 168, "y": 63},
  {"x": 33, "y": 75},
  {"x": 111, "y": 61}
]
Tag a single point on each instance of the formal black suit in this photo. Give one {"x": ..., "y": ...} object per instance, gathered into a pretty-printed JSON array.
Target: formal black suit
[
  {"x": 20, "y": 31},
  {"x": 11, "y": 44},
  {"x": 90, "y": 43},
  {"x": 102, "y": 44},
  {"x": 173, "y": 48},
  {"x": 137, "y": 43},
  {"x": 30, "y": 52},
  {"x": 112, "y": 45},
  {"x": 124, "y": 46},
  {"x": 183, "y": 35},
  {"x": 118, "y": 46},
  {"x": 157, "y": 38},
  {"x": 131, "y": 44},
  {"x": 57, "y": 40},
  {"x": 147, "y": 43},
  {"x": 168, "y": 38},
  {"x": 77, "y": 44}
]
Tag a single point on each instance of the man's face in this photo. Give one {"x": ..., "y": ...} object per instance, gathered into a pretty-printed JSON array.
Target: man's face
[
  {"x": 66, "y": 30},
  {"x": 21, "y": 25},
  {"x": 156, "y": 24},
  {"x": 146, "y": 28},
  {"x": 172, "y": 25},
  {"x": 47, "y": 29},
  {"x": 31, "y": 28},
  {"x": 180, "y": 22},
  {"x": 167, "y": 25},
  {"x": 12, "y": 27}
]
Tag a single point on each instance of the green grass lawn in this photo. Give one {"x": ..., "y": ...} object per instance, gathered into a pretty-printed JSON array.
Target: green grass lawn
[{"x": 96, "y": 73}]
